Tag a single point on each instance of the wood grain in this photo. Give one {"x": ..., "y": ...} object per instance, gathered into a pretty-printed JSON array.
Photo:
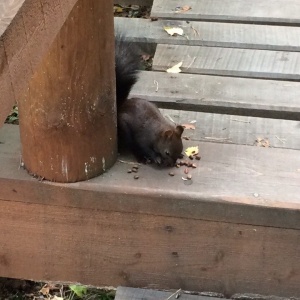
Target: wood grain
[
  {"x": 272, "y": 11},
  {"x": 233, "y": 183},
  {"x": 71, "y": 97},
  {"x": 127, "y": 293},
  {"x": 139, "y": 250},
  {"x": 229, "y": 61},
  {"x": 27, "y": 29},
  {"x": 248, "y": 36},
  {"x": 241, "y": 130},
  {"x": 219, "y": 94}
]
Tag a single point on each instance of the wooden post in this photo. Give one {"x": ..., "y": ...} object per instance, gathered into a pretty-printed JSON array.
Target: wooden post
[{"x": 68, "y": 115}]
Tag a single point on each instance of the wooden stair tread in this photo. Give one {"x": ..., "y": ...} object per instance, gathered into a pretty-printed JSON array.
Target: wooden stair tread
[
  {"x": 229, "y": 61},
  {"x": 127, "y": 293},
  {"x": 240, "y": 130},
  {"x": 246, "y": 179},
  {"x": 275, "y": 11},
  {"x": 220, "y": 94},
  {"x": 284, "y": 38}
]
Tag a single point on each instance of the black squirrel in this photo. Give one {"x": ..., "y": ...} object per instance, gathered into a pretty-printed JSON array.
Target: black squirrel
[{"x": 140, "y": 123}]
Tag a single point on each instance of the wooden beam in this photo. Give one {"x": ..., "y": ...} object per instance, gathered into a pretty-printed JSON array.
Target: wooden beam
[
  {"x": 27, "y": 29},
  {"x": 235, "y": 229},
  {"x": 71, "y": 97},
  {"x": 48, "y": 242}
]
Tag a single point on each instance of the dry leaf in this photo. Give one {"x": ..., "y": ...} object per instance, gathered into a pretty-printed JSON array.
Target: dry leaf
[
  {"x": 146, "y": 57},
  {"x": 189, "y": 126},
  {"x": 182, "y": 9},
  {"x": 174, "y": 30},
  {"x": 118, "y": 9},
  {"x": 175, "y": 69},
  {"x": 260, "y": 142},
  {"x": 192, "y": 151},
  {"x": 45, "y": 290}
]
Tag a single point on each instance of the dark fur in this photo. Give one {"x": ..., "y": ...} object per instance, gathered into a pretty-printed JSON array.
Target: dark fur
[{"x": 140, "y": 123}]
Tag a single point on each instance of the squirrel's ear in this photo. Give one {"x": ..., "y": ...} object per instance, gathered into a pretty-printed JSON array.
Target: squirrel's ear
[
  {"x": 168, "y": 134},
  {"x": 179, "y": 130}
]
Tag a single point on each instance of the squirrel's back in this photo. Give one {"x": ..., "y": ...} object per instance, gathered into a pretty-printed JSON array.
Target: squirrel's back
[{"x": 127, "y": 62}]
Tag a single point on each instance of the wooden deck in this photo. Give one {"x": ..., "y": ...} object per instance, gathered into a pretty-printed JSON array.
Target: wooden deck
[{"x": 233, "y": 228}]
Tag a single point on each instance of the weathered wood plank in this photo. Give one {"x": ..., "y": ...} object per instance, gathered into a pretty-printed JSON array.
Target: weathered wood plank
[
  {"x": 234, "y": 35},
  {"x": 239, "y": 130},
  {"x": 250, "y": 97},
  {"x": 234, "y": 184},
  {"x": 135, "y": 2},
  {"x": 7, "y": 98},
  {"x": 42, "y": 241},
  {"x": 27, "y": 29},
  {"x": 229, "y": 61},
  {"x": 127, "y": 293},
  {"x": 272, "y": 11},
  {"x": 8, "y": 10}
]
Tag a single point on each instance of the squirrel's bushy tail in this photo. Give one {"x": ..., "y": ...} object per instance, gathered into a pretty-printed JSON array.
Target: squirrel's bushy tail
[{"x": 127, "y": 68}]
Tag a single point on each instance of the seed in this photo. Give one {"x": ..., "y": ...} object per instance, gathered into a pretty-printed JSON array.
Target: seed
[
  {"x": 191, "y": 157},
  {"x": 135, "y": 166},
  {"x": 171, "y": 174},
  {"x": 134, "y": 170},
  {"x": 189, "y": 177},
  {"x": 136, "y": 177},
  {"x": 198, "y": 157},
  {"x": 181, "y": 163},
  {"x": 194, "y": 166},
  {"x": 177, "y": 166},
  {"x": 129, "y": 171},
  {"x": 186, "y": 170},
  {"x": 189, "y": 164}
]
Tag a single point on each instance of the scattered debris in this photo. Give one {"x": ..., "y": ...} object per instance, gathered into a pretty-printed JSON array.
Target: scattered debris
[{"x": 261, "y": 142}]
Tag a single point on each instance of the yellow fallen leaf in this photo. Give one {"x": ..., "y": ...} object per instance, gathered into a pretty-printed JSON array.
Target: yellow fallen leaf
[
  {"x": 175, "y": 69},
  {"x": 174, "y": 30},
  {"x": 191, "y": 151},
  {"x": 45, "y": 290},
  {"x": 189, "y": 126},
  {"x": 118, "y": 9}
]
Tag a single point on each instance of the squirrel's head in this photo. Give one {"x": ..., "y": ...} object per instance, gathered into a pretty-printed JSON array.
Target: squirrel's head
[{"x": 169, "y": 146}]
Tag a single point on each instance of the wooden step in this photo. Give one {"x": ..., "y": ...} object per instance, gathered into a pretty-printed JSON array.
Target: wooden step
[
  {"x": 219, "y": 94},
  {"x": 233, "y": 228},
  {"x": 127, "y": 293},
  {"x": 229, "y": 61},
  {"x": 257, "y": 11},
  {"x": 226, "y": 171},
  {"x": 240, "y": 130},
  {"x": 211, "y": 34}
]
